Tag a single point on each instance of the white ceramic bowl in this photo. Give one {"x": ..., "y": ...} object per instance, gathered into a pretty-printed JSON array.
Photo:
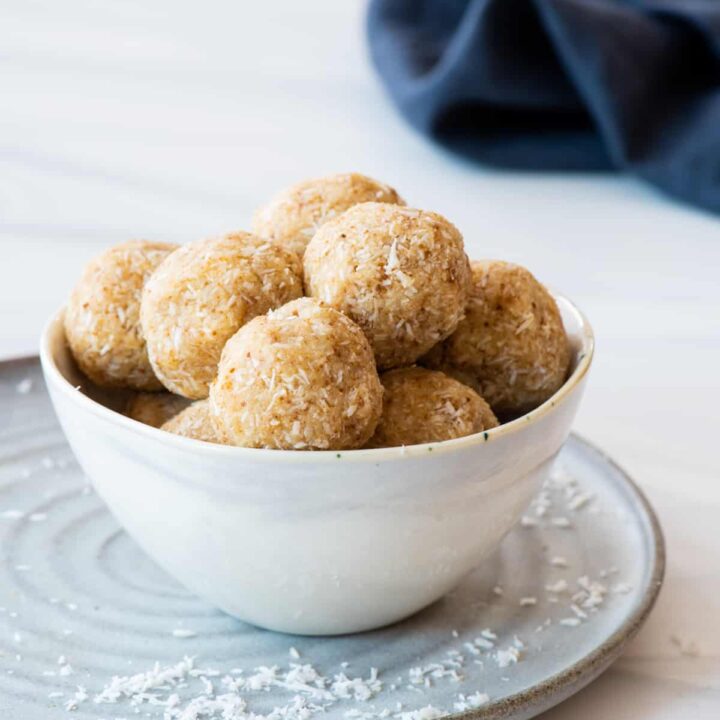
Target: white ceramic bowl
[{"x": 315, "y": 542}]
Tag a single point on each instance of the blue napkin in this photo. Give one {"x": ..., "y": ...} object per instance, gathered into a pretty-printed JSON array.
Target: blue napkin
[{"x": 562, "y": 84}]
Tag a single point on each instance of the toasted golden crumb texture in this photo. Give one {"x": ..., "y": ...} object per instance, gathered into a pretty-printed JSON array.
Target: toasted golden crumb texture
[
  {"x": 512, "y": 342},
  {"x": 401, "y": 274},
  {"x": 202, "y": 294},
  {"x": 421, "y": 406},
  {"x": 102, "y": 318},
  {"x": 293, "y": 217},
  {"x": 195, "y": 421},
  {"x": 302, "y": 377},
  {"x": 154, "y": 408}
]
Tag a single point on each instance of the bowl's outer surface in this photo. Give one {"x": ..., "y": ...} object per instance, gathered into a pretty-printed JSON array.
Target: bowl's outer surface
[{"x": 325, "y": 543}]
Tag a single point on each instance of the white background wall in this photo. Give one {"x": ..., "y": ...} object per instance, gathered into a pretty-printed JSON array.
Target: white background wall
[{"x": 173, "y": 120}]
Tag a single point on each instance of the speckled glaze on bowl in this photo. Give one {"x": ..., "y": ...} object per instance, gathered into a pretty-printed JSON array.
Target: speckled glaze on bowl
[{"x": 314, "y": 542}]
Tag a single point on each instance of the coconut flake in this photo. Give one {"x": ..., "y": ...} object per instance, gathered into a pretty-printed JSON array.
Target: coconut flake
[
  {"x": 183, "y": 633},
  {"x": 24, "y": 386}
]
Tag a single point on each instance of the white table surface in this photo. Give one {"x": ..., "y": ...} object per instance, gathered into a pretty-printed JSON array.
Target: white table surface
[{"x": 173, "y": 121}]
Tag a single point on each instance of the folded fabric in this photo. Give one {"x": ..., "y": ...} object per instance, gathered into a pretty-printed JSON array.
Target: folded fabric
[{"x": 562, "y": 84}]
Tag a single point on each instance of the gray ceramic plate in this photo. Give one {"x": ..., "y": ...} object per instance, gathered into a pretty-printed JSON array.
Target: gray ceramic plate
[{"x": 80, "y": 603}]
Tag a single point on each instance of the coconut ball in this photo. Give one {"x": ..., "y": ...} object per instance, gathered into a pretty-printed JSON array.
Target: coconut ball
[
  {"x": 512, "y": 341},
  {"x": 102, "y": 318},
  {"x": 302, "y": 377},
  {"x": 154, "y": 409},
  {"x": 291, "y": 218},
  {"x": 422, "y": 406},
  {"x": 401, "y": 274},
  {"x": 195, "y": 421},
  {"x": 202, "y": 294}
]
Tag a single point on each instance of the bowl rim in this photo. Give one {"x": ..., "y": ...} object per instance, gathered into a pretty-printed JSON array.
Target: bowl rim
[{"x": 60, "y": 382}]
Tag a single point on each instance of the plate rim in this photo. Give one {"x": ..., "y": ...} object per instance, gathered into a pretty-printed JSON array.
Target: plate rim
[{"x": 548, "y": 693}]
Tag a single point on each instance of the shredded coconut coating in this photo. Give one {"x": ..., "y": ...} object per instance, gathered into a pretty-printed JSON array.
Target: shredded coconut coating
[
  {"x": 421, "y": 406},
  {"x": 401, "y": 274},
  {"x": 202, "y": 294},
  {"x": 195, "y": 421},
  {"x": 512, "y": 342},
  {"x": 302, "y": 377},
  {"x": 154, "y": 409},
  {"x": 102, "y": 318},
  {"x": 293, "y": 217}
]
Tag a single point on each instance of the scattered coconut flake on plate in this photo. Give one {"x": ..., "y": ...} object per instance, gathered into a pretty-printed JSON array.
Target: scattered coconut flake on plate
[
  {"x": 183, "y": 633},
  {"x": 140, "y": 686},
  {"x": 483, "y": 643},
  {"x": 65, "y": 667},
  {"x": 542, "y": 503},
  {"x": 24, "y": 386},
  {"x": 80, "y": 697},
  {"x": 591, "y": 594},
  {"x": 570, "y": 621},
  {"x": 508, "y": 656},
  {"x": 559, "y": 586},
  {"x": 470, "y": 702},
  {"x": 312, "y": 692},
  {"x": 579, "y": 501},
  {"x": 426, "y": 713}
]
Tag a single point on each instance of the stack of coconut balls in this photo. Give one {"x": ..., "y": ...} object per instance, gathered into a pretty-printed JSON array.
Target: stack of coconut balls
[{"x": 344, "y": 320}]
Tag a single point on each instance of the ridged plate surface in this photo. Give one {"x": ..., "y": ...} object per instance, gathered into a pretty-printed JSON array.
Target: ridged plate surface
[{"x": 80, "y": 603}]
